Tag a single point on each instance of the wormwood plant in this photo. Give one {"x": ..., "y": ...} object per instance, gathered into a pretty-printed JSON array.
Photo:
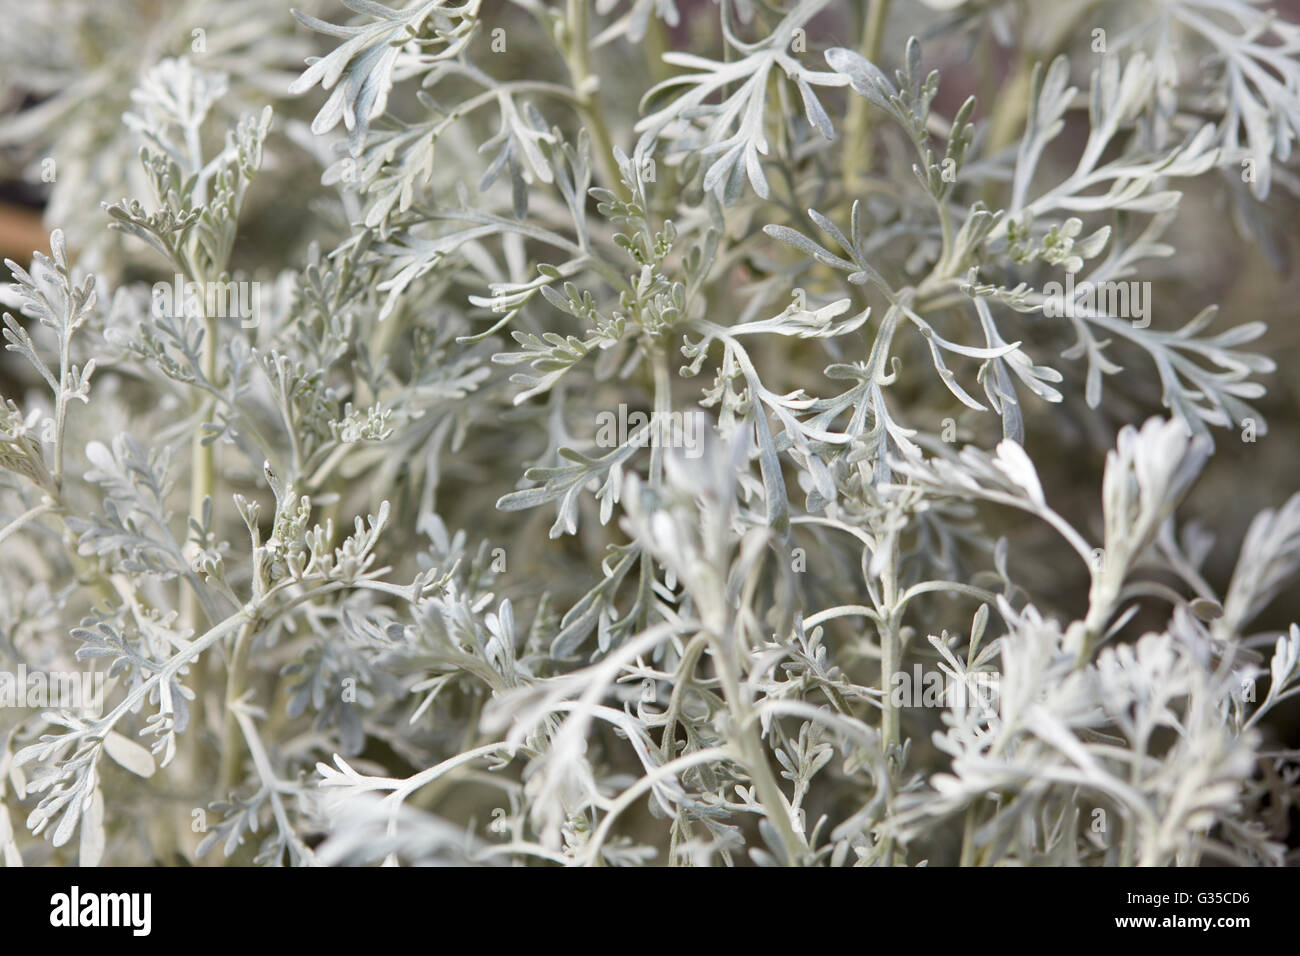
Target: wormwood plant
[{"x": 422, "y": 556}]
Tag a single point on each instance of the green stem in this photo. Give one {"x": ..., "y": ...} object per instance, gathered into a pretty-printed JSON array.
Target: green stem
[
  {"x": 585, "y": 87},
  {"x": 857, "y": 156},
  {"x": 656, "y": 45},
  {"x": 202, "y": 483},
  {"x": 1013, "y": 103}
]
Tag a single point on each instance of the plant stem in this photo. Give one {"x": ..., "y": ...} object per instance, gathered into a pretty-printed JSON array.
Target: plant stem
[
  {"x": 754, "y": 757},
  {"x": 890, "y": 658},
  {"x": 61, "y": 406},
  {"x": 202, "y": 482},
  {"x": 857, "y": 157},
  {"x": 1013, "y": 103},
  {"x": 663, "y": 403},
  {"x": 230, "y": 735},
  {"x": 656, "y": 45},
  {"x": 968, "y": 837},
  {"x": 889, "y": 655},
  {"x": 25, "y": 517},
  {"x": 585, "y": 86}
]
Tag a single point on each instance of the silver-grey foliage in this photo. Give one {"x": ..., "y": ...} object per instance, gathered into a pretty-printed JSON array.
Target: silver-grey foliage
[{"x": 365, "y": 580}]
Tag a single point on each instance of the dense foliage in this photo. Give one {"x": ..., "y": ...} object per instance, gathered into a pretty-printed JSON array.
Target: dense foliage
[{"x": 621, "y": 432}]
